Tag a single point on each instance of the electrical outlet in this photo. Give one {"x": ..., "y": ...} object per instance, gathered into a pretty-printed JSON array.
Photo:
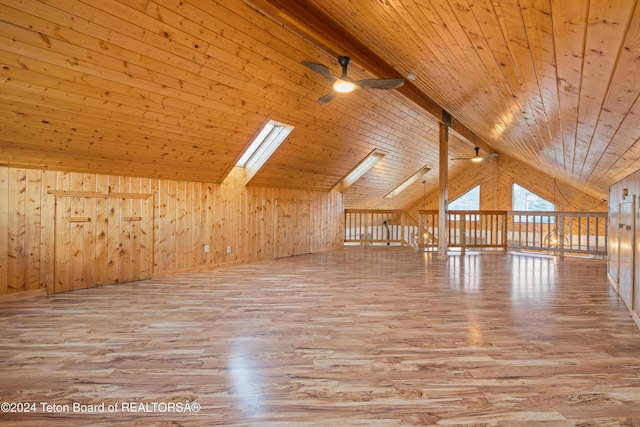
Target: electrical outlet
[
  {"x": 228, "y": 249},
  {"x": 206, "y": 249}
]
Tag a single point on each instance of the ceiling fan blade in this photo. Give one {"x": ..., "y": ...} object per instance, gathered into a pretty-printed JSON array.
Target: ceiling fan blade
[
  {"x": 321, "y": 69},
  {"x": 477, "y": 157},
  {"x": 328, "y": 97},
  {"x": 380, "y": 83},
  {"x": 344, "y": 63}
]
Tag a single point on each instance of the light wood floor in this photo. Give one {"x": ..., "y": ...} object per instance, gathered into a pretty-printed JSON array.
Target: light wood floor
[{"x": 355, "y": 337}]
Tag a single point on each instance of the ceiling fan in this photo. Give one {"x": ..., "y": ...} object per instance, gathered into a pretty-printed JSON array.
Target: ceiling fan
[
  {"x": 477, "y": 157},
  {"x": 345, "y": 84}
]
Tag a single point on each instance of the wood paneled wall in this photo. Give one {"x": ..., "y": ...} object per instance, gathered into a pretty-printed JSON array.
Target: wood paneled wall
[
  {"x": 187, "y": 216},
  {"x": 624, "y": 241},
  {"x": 496, "y": 177}
]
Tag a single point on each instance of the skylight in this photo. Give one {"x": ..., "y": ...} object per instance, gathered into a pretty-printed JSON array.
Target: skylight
[
  {"x": 407, "y": 183},
  {"x": 360, "y": 169},
  {"x": 264, "y": 145}
]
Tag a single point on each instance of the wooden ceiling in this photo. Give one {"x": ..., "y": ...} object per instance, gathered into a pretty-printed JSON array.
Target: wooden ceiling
[{"x": 176, "y": 89}]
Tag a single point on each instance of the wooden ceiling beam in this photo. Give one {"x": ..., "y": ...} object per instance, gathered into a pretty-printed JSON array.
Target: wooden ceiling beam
[{"x": 313, "y": 24}]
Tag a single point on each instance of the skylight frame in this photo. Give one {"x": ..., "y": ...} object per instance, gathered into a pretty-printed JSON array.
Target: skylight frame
[
  {"x": 408, "y": 182},
  {"x": 359, "y": 170},
  {"x": 266, "y": 142}
]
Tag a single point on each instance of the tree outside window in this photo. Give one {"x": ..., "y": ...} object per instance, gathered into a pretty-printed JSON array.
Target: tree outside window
[{"x": 525, "y": 200}]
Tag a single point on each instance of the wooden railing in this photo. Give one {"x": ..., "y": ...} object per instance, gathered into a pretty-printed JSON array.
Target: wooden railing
[
  {"x": 556, "y": 233},
  {"x": 466, "y": 229},
  {"x": 559, "y": 232},
  {"x": 380, "y": 227}
]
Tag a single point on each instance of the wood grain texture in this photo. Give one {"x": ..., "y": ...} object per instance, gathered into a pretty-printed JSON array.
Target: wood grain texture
[
  {"x": 4, "y": 225},
  {"x": 624, "y": 242},
  {"x": 65, "y": 230},
  {"x": 496, "y": 178},
  {"x": 361, "y": 336},
  {"x": 176, "y": 90}
]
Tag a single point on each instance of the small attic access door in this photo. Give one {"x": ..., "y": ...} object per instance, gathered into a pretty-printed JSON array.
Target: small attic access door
[
  {"x": 101, "y": 240},
  {"x": 293, "y": 228}
]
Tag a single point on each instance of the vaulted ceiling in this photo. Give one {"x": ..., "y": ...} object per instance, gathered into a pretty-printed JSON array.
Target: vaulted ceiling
[{"x": 176, "y": 89}]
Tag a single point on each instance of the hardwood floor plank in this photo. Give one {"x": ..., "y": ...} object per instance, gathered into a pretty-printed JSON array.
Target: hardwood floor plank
[{"x": 363, "y": 336}]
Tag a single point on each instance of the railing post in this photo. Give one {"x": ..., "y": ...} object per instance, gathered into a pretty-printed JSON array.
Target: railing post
[
  {"x": 421, "y": 242},
  {"x": 561, "y": 235},
  {"x": 505, "y": 231},
  {"x": 463, "y": 233},
  {"x": 402, "y": 225}
]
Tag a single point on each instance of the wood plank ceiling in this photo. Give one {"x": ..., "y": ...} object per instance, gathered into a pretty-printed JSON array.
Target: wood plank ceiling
[{"x": 177, "y": 88}]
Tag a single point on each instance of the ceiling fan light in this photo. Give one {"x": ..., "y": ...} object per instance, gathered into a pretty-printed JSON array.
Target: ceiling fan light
[
  {"x": 476, "y": 159},
  {"x": 343, "y": 86}
]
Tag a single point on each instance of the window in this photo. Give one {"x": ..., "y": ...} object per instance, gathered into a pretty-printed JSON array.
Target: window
[
  {"x": 263, "y": 146},
  {"x": 525, "y": 200},
  {"x": 469, "y": 201},
  {"x": 360, "y": 169},
  {"x": 408, "y": 182}
]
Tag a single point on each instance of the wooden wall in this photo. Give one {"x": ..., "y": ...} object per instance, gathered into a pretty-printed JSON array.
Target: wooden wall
[
  {"x": 186, "y": 216},
  {"x": 496, "y": 177},
  {"x": 624, "y": 241}
]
